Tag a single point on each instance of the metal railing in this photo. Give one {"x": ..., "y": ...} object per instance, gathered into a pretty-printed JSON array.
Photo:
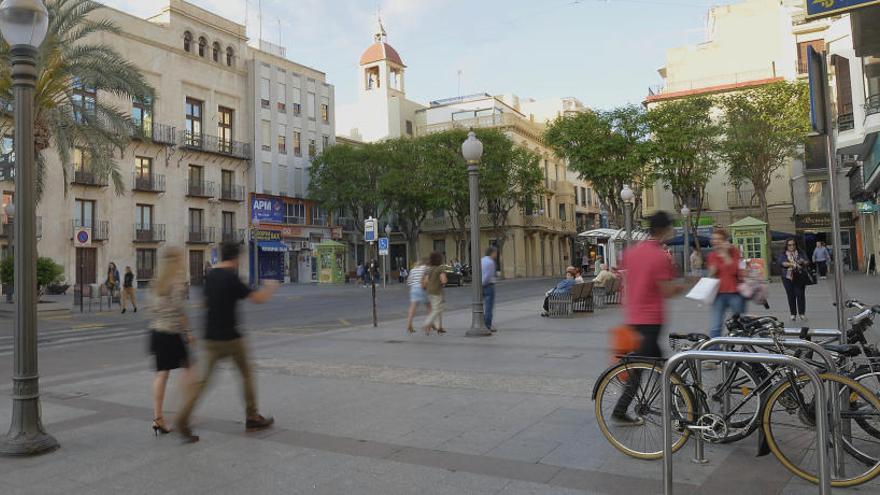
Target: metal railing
[
  {"x": 100, "y": 229},
  {"x": 872, "y": 104},
  {"x": 157, "y": 133},
  {"x": 154, "y": 232},
  {"x": 200, "y": 235},
  {"x": 145, "y": 273},
  {"x": 232, "y": 192},
  {"x": 709, "y": 82},
  {"x": 200, "y": 189},
  {"x": 213, "y": 144},
  {"x": 233, "y": 235},
  {"x": 856, "y": 184},
  {"x": 86, "y": 178},
  {"x": 148, "y": 183}
]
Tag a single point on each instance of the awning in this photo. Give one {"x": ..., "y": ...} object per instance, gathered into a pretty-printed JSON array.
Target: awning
[{"x": 272, "y": 246}]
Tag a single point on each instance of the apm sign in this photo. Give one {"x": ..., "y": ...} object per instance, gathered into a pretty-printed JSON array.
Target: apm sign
[
  {"x": 267, "y": 210},
  {"x": 827, "y": 8}
]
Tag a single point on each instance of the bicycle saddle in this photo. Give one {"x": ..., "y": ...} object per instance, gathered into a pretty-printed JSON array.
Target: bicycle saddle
[{"x": 848, "y": 350}]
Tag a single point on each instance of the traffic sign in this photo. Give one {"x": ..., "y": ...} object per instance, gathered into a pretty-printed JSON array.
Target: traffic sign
[
  {"x": 83, "y": 236},
  {"x": 383, "y": 246},
  {"x": 370, "y": 228}
]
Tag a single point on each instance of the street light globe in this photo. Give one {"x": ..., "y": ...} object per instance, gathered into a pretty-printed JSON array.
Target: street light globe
[
  {"x": 685, "y": 211},
  {"x": 627, "y": 194},
  {"x": 472, "y": 148},
  {"x": 24, "y": 22}
]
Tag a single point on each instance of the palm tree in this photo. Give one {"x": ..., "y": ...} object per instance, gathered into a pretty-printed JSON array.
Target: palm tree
[{"x": 74, "y": 69}]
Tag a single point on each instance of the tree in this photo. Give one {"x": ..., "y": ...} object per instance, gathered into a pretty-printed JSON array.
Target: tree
[
  {"x": 447, "y": 173},
  {"x": 685, "y": 147},
  {"x": 764, "y": 127},
  {"x": 73, "y": 70},
  {"x": 48, "y": 272},
  {"x": 608, "y": 149}
]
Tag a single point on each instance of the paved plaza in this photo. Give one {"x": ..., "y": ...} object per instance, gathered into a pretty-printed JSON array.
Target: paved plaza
[{"x": 363, "y": 410}]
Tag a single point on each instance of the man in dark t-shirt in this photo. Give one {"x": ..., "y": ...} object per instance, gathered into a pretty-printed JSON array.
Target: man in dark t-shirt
[{"x": 223, "y": 290}]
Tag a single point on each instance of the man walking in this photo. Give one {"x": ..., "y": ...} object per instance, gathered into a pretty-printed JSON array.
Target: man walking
[
  {"x": 128, "y": 290},
  {"x": 649, "y": 281},
  {"x": 821, "y": 256},
  {"x": 223, "y": 289},
  {"x": 487, "y": 270}
]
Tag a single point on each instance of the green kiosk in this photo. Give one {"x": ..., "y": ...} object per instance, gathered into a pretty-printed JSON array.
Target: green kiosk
[
  {"x": 331, "y": 262},
  {"x": 750, "y": 236}
]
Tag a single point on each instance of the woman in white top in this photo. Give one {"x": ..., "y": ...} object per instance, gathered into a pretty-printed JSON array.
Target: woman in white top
[{"x": 417, "y": 294}]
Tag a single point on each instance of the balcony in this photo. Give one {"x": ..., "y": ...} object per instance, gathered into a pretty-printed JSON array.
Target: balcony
[
  {"x": 86, "y": 178},
  {"x": 149, "y": 232},
  {"x": 7, "y": 230},
  {"x": 232, "y": 235},
  {"x": 145, "y": 274},
  {"x": 199, "y": 189},
  {"x": 212, "y": 144},
  {"x": 742, "y": 198},
  {"x": 200, "y": 235},
  {"x": 156, "y": 133},
  {"x": 154, "y": 183},
  {"x": 496, "y": 120},
  {"x": 232, "y": 193},
  {"x": 846, "y": 122},
  {"x": 100, "y": 229},
  {"x": 857, "y": 190}
]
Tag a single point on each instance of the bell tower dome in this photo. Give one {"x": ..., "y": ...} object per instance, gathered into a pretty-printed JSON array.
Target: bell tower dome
[{"x": 381, "y": 68}]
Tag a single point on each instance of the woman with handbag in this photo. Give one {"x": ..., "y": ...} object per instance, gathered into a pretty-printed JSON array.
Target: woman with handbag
[
  {"x": 795, "y": 278},
  {"x": 723, "y": 263},
  {"x": 433, "y": 282}
]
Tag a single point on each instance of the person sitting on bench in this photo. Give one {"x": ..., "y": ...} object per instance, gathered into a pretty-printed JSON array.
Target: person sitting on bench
[
  {"x": 563, "y": 287},
  {"x": 604, "y": 277}
]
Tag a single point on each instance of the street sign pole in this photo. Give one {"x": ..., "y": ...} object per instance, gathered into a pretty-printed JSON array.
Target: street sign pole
[{"x": 370, "y": 230}]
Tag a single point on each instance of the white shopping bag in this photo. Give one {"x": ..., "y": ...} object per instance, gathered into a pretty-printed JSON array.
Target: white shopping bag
[{"x": 705, "y": 290}]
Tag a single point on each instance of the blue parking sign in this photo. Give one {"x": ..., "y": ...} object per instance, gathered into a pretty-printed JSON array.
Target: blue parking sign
[{"x": 383, "y": 246}]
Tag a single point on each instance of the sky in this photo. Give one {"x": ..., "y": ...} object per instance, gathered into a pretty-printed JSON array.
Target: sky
[{"x": 603, "y": 52}]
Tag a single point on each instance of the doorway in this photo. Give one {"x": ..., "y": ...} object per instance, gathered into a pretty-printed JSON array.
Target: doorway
[
  {"x": 86, "y": 265},
  {"x": 196, "y": 268}
]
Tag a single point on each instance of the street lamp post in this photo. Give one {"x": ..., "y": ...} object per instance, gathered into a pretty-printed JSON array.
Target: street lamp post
[
  {"x": 686, "y": 223},
  {"x": 23, "y": 24},
  {"x": 385, "y": 266},
  {"x": 9, "y": 210},
  {"x": 627, "y": 195},
  {"x": 472, "y": 150}
]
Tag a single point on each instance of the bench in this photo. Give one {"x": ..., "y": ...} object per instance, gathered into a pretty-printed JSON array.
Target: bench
[
  {"x": 560, "y": 306},
  {"x": 613, "y": 292},
  {"x": 582, "y": 297},
  {"x": 600, "y": 295}
]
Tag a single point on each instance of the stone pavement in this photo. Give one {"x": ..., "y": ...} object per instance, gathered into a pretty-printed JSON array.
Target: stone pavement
[{"x": 376, "y": 411}]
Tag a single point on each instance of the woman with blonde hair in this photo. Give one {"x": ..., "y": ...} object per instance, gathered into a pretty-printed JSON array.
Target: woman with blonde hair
[{"x": 169, "y": 330}]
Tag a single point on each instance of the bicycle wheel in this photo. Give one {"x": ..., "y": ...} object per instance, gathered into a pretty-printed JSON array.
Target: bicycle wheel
[
  {"x": 869, "y": 378},
  {"x": 735, "y": 400},
  {"x": 644, "y": 441},
  {"x": 791, "y": 429}
]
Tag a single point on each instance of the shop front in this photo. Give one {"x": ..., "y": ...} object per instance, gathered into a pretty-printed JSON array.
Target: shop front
[
  {"x": 268, "y": 255},
  {"x": 814, "y": 227}
]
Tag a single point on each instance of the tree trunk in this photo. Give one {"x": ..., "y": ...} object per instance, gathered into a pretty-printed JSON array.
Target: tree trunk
[{"x": 762, "y": 201}]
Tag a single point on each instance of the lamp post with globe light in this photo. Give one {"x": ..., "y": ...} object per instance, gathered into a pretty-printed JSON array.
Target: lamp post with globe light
[
  {"x": 686, "y": 223},
  {"x": 23, "y": 24},
  {"x": 472, "y": 150},
  {"x": 9, "y": 211},
  {"x": 627, "y": 195}
]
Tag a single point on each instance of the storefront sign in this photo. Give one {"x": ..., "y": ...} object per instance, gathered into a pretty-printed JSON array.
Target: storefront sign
[
  {"x": 267, "y": 210},
  {"x": 265, "y": 235},
  {"x": 826, "y": 8},
  {"x": 821, "y": 221},
  {"x": 287, "y": 232}
]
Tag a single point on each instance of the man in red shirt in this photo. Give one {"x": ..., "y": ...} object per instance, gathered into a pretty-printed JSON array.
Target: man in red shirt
[
  {"x": 724, "y": 264},
  {"x": 649, "y": 281}
]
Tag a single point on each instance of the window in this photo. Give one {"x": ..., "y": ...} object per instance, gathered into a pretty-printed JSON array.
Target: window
[
  {"x": 267, "y": 178},
  {"x": 371, "y": 78},
  {"x": 282, "y": 107},
  {"x": 196, "y": 176},
  {"x": 549, "y": 209},
  {"x": 310, "y": 106},
  {"x": 196, "y": 217},
  {"x": 818, "y": 197},
  {"x": 325, "y": 142},
  {"x": 228, "y": 225},
  {"x": 79, "y": 160},
  {"x": 297, "y": 109},
  {"x": 312, "y": 148},
  {"x": 187, "y": 41},
  {"x": 143, "y": 217},
  {"x": 282, "y": 180},
  {"x": 142, "y": 115},
  {"x": 203, "y": 46},
  {"x": 84, "y": 213},
  {"x": 319, "y": 216},
  {"x": 817, "y": 45},
  {"x": 224, "y": 128},
  {"x": 295, "y": 213},
  {"x": 562, "y": 212},
  {"x": 298, "y": 184},
  {"x": 193, "y": 133},
  {"x": 230, "y": 55},
  {"x": 589, "y": 196},
  {"x": 266, "y": 135},
  {"x": 439, "y": 245},
  {"x": 648, "y": 194},
  {"x": 265, "y": 88},
  {"x": 143, "y": 167},
  {"x": 146, "y": 264},
  {"x": 227, "y": 181},
  {"x": 843, "y": 85},
  {"x": 409, "y": 128},
  {"x": 281, "y": 92},
  {"x": 282, "y": 139},
  {"x": 325, "y": 113},
  {"x": 297, "y": 142},
  {"x": 84, "y": 97},
  {"x": 295, "y": 100}
]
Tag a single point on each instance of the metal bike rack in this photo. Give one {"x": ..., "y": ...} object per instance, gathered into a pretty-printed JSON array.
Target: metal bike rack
[
  {"x": 744, "y": 357},
  {"x": 830, "y": 333},
  {"x": 826, "y": 356}
]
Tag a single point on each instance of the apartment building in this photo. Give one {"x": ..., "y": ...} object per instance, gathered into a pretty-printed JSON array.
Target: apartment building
[{"x": 294, "y": 120}]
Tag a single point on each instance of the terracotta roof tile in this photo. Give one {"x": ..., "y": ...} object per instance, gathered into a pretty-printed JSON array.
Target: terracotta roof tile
[{"x": 381, "y": 51}]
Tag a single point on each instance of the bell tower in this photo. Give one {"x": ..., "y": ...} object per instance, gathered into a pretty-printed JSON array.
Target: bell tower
[{"x": 381, "y": 68}]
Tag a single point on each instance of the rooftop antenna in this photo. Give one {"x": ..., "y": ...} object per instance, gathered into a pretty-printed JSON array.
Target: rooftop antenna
[
  {"x": 459, "y": 83},
  {"x": 279, "y": 31},
  {"x": 260, "y": 13}
]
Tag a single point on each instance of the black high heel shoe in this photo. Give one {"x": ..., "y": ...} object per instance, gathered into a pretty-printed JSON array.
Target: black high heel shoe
[{"x": 159, "y": 427}]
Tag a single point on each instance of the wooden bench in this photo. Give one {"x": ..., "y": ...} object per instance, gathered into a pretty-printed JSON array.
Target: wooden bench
[
  {"x": 613, "y": 292},
  {"x": 582, "y": 297}
]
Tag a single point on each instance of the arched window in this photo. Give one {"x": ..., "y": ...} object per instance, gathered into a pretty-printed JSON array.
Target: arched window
[
  {"x": 203, "y": 46},
  {"x": 187, "y": 41},
  {"x": 230, "y": 54},
  {"x": 215, "y": 53}
]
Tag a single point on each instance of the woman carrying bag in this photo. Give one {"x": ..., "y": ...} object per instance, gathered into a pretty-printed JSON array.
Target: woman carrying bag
[
  {"x": 723, "y": 263},
  {"x": 796, "y": 276}
]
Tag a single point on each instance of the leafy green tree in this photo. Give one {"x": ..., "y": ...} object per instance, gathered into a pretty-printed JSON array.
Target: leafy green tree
[
  {"x": 685, "y": 143},
  {"x": 764, "y": 127},
  {"x": 70, "y": 60},
  {"x": 48, "y": 272},
  {"x": 607, "y": 148},
  {"x": 407, "y": 189},
  {"x": 447, "y": 173}
]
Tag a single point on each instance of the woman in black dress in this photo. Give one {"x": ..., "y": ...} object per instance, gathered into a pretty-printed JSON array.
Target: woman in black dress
[{"x": 170, "y": 334}]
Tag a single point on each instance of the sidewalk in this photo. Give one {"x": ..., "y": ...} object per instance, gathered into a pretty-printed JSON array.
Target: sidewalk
[{"x": 376, "y": 411}]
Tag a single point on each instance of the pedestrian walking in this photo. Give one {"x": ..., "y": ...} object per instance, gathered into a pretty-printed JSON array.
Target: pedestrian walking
[
  {"x": 487, "y": 272},
  {"x": 112, "y": 282},
  {"x": 649, "y": 282},
  {"x": 128, "y": 290},
  {"x": 795, "y": 278},
  {"x": 723, "y": 263},
  {"x": 821, "y": 257},
  {"x": 223, "y": 289},
  {"x": 170, "y": 335},
  {"x": 696, "y": 260},
  {"x": 585, "y": 263},
  {"x": 402, "y": 274},
  {"x": 433, "y": 281},
  {"x": 359, "y": 271},
  {"x": 417, "y": 294}
]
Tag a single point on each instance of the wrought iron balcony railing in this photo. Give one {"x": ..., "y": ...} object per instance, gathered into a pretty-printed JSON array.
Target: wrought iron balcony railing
[
  {"x": 872, "y": 104},
  {"x": 200, "y": 189},
  {"x": 232, "y": 235},
  {"x": 149, "y": 232},
  {"x": 200, "y": 235},
  {"x": 157, "y": 133},
  {"x": 148, "y": 183},
  {"x": 87, "y": 178},
  {"x": 100, "y": 229},
  {"x": 214, "y": 144},
  {"x": 232, "y": 193}
]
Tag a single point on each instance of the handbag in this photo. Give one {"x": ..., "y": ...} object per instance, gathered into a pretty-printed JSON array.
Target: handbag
[
  {"x": 624, "y": 340},
  {"x": 705, "y": 290},
  {"x": 804, "y": 276}
]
